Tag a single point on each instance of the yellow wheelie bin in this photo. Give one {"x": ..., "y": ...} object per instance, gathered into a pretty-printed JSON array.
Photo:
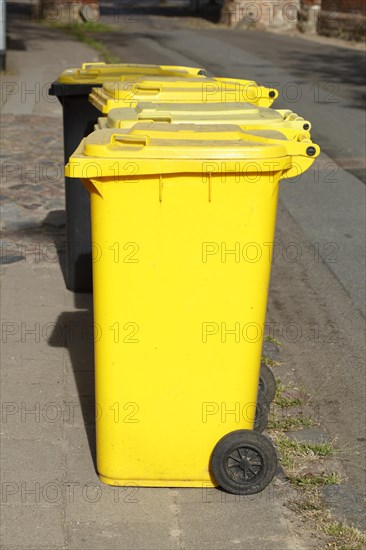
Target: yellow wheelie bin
[
  {"x": 72, "y": 88},
  {"x": 128, "y": 92},
  {"x": 183, "y": 219}
]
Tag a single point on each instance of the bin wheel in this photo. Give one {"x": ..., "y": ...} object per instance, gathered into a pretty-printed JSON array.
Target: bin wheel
[
  {"x": 243, "y": 462},
  {"x": 267, "y": 382},
  {"x": 261, "y": 412}
]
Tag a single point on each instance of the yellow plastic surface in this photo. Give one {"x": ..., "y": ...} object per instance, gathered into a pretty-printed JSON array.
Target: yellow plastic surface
[
  {"x": 246, "y": 115},
  {"x": 129, "y": 91},
  {"x": 182, "y": 224},
  {"x": 98, "y": 73},
  {"x": 164, "y": 148}
]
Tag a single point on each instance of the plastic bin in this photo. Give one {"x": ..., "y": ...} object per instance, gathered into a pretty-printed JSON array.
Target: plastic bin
[
  {"x": 128, "y": 92},
  {"x": 79, "y": 117},
  {"x": 246, "y": 115},
  {"x": 183, "y": 219}
]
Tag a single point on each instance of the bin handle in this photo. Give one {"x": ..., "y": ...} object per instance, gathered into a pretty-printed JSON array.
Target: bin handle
[
  {"x": 85, "y": 66},
  {"x": 159, "y": 117},
  {"x": 89, "y": 73},
  {"x": 147, "y": 88},
  {"x": 125, "y": 139}
]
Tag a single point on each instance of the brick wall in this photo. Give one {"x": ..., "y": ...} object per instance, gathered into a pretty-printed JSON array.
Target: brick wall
[
  {"x": 343, "y": 18},
  {"x": 345, "y": 6},
  {"x": 260, "y": 14}
]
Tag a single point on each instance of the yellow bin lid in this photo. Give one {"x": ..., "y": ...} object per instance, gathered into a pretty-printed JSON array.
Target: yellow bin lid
[
  {"x": 127, "y": 92},
  {"x": 158, "y": 148},
  {"x": 246, "y": 115},
  {"x": 98, "y": 73}
]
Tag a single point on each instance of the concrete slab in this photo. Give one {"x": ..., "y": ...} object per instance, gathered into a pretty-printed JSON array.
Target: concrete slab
[
  {"x": 32, "y": 527},
  {"x": 124, "y": 536},
  {"x": 129, "y": 505},
  {"x": 21, "y": 460}
]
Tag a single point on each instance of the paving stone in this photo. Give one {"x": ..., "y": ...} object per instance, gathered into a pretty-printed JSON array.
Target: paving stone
[
  {"x": 29, "y": 410},
  {"x": 240, "y": 522},
  {"x": 125, "y": 536},
  {"x": 344, "y": 503},
  {"x": 30, "y": 527},
  {"x": 96, "y": 501},
  {"x": 30, "y": 464},
  {"x": 80, "y": 457}
]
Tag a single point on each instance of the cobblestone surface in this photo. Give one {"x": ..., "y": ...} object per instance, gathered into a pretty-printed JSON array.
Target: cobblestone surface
[{"x": 32, "y": 174}]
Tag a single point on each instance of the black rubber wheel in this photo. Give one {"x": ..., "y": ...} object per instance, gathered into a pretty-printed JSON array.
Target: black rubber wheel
[
  {"x": 261, "y": 412},
  {"x": 243, "y": 462},
  {"x": 267, "y": 382}
]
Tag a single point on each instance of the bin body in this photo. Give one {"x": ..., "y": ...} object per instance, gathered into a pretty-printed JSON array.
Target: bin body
[
  {"x": 78, "y": 120},
  {"x": 177, "y": 315},
  {"x": 182, "y": 256},
  {"x": 79, "y": 117}
]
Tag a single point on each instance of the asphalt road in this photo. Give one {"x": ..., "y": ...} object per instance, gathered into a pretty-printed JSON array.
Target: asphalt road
[{"x": 321, "y": 213}]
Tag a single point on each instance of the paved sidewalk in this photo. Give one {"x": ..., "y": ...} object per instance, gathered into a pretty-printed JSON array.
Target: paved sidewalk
[
  {"x": 51, "y": 495},
  {"x": 32, "y": 160}
]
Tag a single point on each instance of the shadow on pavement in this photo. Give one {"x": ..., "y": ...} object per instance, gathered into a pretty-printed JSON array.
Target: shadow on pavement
[{"x": 74, "y": 330}]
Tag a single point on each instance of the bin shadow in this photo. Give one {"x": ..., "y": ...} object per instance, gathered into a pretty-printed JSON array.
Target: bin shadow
[
  {"x": 74, "y": 330},
  {"x": 54, "y": 227}
]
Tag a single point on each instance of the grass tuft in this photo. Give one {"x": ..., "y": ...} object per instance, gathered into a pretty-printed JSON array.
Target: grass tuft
[
  {"x": 319, "y": 480},
  {"x": 286, "y": 401},
  {"x": 344, "y": 537},
  {"x": 304, "y": 449},
  {"x": 270, "y": 362},
  {"x": 272, "y": 340},
  {"x": 289, "y": 423}
]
